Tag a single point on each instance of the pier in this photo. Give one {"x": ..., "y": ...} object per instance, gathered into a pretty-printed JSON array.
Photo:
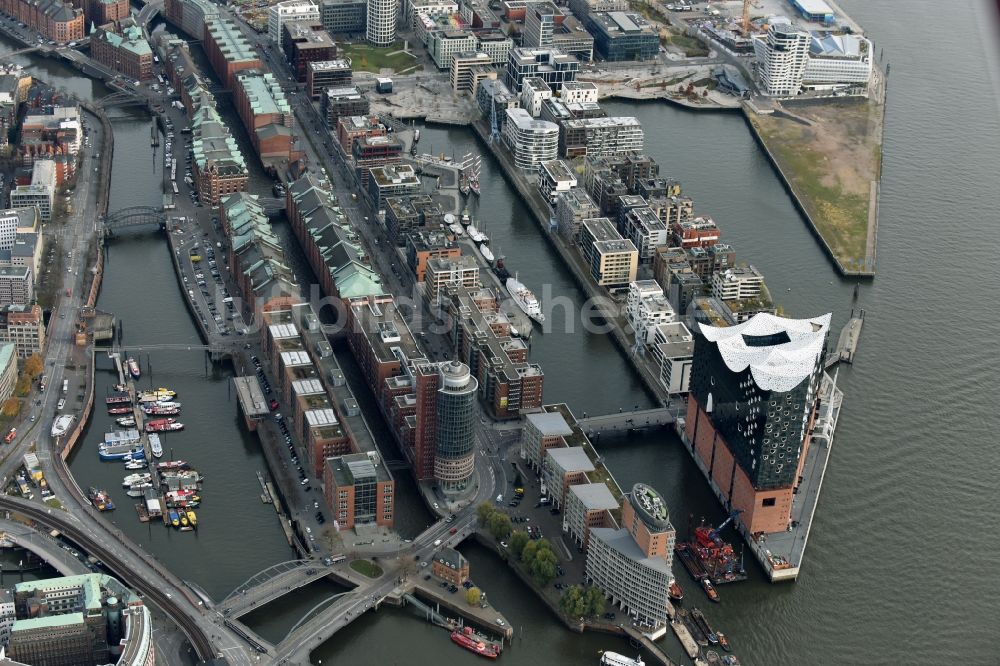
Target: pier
[{"x": 847, "y": 343}]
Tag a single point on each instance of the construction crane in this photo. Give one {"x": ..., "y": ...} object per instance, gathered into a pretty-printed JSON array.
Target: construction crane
[
  {"x": 715, "y": 533},
  {"x": 745, "y": 23}
]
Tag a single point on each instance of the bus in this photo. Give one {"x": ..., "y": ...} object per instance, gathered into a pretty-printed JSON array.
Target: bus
[
  {"x": 65, "y": 386},
  {"x": 337, "y": 559}
]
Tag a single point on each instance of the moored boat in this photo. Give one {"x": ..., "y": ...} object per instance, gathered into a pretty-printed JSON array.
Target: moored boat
[
  {"x": 100, "y": 499},
  {"x": 723, "y": 641},
  {"x": 118, "y": 398},
  {"x": 172, "y": 464},
  {"x": 705, "y": 627},
  {"x": 484, "y": 249},
  {"x": 113, "y": 411},
  {"x": 133, "y": 479},
  {"x": 614, "y": 659},
  {"x": 163, "y": 425},
  {"x": 174, "y": 518},
  {"x": 155, "y": 446},
  {"x": 472, "y": 642},
  {"x": 525, "y": 299},
  {"x": 126, "y": 421},
  {"x": 710, "y": 590},
  {"x": 133, "y": 368},
  {"x": 192, "y": 519},
  {"x": 134, "y": 464},
  {"x": 138, "y": 489},
  {"x": 675, "y": 592}
]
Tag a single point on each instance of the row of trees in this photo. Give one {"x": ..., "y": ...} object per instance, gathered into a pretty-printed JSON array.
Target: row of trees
[
  {"x": 537, "y": 556},
  {"x": 497, "y": 522},
  {"x": 32, "y": 367},
  {"x": 579, "y": 601}
]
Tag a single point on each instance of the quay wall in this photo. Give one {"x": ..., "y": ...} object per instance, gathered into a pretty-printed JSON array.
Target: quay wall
[{"x": 88, "y": 408}]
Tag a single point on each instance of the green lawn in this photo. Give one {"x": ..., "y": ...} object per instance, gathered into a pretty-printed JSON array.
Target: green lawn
[
  {"x": 54, "y": 503},
  {"x": 366, "y": 58},
  {"x": 366, "y": 568}
]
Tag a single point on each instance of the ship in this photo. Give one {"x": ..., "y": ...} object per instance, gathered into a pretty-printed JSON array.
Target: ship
[
  {"x": 164, "y": 425},
  {"x": 675, "y": 592},
  {"x": 133, "y": 368},
  {"x": 525, "y": 299},
  {"x": 192, "y": 519},
  {"x": 476, "y": 235},
  {"x": 456, "y": 229},
  {"x": 484, "y": 249},
  {"x": 155, "y": 446},
  {"x": 474, "y": 185},
  {"x": 184, "y": 518},
  {"x": 99, "y": 497},
  {"x": 705, "y": 627},
  {"x": 114, "y": 411},
  {"x": 118, "y": 398},
  {"x": 158, "y": 410},
  {"x": 126, "y": 421},
  {"x": 615, "y": 659},
  {"x": 138, "y": 489},
  {"x": 723, "y": 641},
  {"x": 172, "y": 464},
  {"x": 134, "y": 464},
  {"x": 181, "y": 495},
  {"x": 466, "y": 218},
  {"x": 121, "y": 452},
  {"x": 472, "y": 642},
  {"x": 159, "y": 395},
  {"x": 708, "y": 555}
]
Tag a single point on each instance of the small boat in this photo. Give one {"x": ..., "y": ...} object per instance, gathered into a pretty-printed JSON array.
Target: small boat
[
  {"x": 614, "y": 659},
  {"x": 712, "y": 657},
  {"x": 119, "y": 410},
  {"x": 705, "y": 627},
  {"x": 126, "y": 421},
  {"x": 120, "y": 387},
  {"x": 156, "y": 410},
  {"x": 456, "y": 229},
  {"x": 172, "y": 464},
  {"x": 474, "y": 186},
  {"x": 416, "y": 136},
  {"x": 193, "y": 519},
  {"x": 723, "y": 641},
  {"x": 476, "y": 235},
  {"x": 138, "y": 489},
  {"x": 100, "y": 499},
  {"x": 466, "y": 219},
  {"x": 164, "y": 425},
  {"x": 155, "y": 446},
  {"x": 133, "y": 479},
  {"x": 134, "y": 464},
  {"x": 710, "y": 590},
  {"x": 484, "y": 249},
  {"x": 133, "y": 368},
  {"x": 514, "y": 333},
  {"x": 118, "y": 399},
  {"x": 178, "y": 495},
  {"x": 675, "y": 592},
  {"x": 184, "y": 518},
  {"x": 730, "y": 660},
  {"x": 174, "y": 518}
]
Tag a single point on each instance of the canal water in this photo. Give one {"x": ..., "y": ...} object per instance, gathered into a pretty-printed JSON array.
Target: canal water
[{"x": 902, "y": 557}]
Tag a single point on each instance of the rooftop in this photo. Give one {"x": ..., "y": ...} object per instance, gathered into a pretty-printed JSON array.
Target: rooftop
[
  {"x": 571, "y": 458},
  {"x": 621, "y": 540},
  {"x": 550, "y": 424},
  {"x": 594, "y": 496}
]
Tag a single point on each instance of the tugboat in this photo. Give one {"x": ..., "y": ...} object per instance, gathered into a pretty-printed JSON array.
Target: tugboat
[
  {"x": 675, "y": 592},
  {"x": 710, "y": 590},
  {"x": 133, "y": 368},
  {"x": 475, "y": 643}
]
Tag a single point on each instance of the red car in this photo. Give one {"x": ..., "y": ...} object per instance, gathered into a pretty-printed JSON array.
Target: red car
[
  {"x": 453, "y": 530},
  {"x": 273, "y": 404}
]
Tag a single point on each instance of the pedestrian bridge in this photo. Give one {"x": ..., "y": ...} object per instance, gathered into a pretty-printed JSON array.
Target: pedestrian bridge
[
  {"x": 269, "y": 584},
  {"x": 631, "y": 420}
]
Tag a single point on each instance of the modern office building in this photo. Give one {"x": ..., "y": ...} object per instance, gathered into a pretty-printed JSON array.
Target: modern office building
[
  {"x": 549, "y": 64},
  {"x": 562, "y": 467},
  {"x": 441, "y": 272},
  {"x": 493, "y": 98},
  {"x": 304, "y": 42},
  {"x": 738, "y": 283},
  {"x": 422, "y": 245},
  {"x": 393, "y": 180},
  {"x": 623, "y": 36},
  {"x": 381, "y": 21},
  {"x": 814, "y": 10},
  {"x": 496, "y": 44},
  {"x": 455, "y": 414},
  {"x": 632, "y": 565},
  {"x": 347, "y": 101},
  {"x": 588, "y": 505},
  {"x": 555, "y": 178},
  {"x": 754, "y": 394},
  {"x": 343, "y": 16},
  {"x": 323, "y": 74},
  {"x": 442, "y": 45},
  {"x": 8, "y": 370},
  {"x": 838, "y": 62},
  {"x": 673, "y": 350},
  {"x": 40, "y": 193},
  {"x": 359, "y": 490},
  {"x": 645, "y": 229},
  {"x": 572, "y": 208},
  {"x": 609, "y": 136},
  {"x": 530, "y": 141},
  {"x": 468, "y": 69},
  {"x": 80, "y": 621},
  {"x": 375, "y": 151},
  {"x": 16, "y": 286},
  {"x": 646, "y": 308},
  {"x": 290, "y": 10},
  {"x": 545, "y": 25},
  {"x": 534, "y": 92},
  {"x": 613, "y": 260},
  {"x": 782, "y": 55}
]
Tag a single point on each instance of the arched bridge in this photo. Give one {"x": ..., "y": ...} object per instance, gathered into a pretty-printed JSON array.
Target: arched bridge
[
  {"x": 31, "y": 49},
  {"x": 272, "y": 583},
  {"x": 135, "y": 216},
  {"x": 121, "y": 98}
]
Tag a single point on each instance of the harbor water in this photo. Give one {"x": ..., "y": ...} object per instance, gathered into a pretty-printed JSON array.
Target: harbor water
[{"x": 903, "y": 548}]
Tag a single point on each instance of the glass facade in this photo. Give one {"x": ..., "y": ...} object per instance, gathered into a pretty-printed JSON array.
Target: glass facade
[{"x": 455, "y": 417}]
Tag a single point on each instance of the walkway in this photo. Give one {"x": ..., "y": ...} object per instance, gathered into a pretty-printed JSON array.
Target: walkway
[
  {"x": 643, "y": 418},
  {"x": 270, "y": 584}
]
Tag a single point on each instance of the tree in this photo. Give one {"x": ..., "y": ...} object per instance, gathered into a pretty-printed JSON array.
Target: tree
[
  {"x": 595, "y": 601},
  {"x": 543, "y": 567},
  {"x": 484, "y": 511},
  {"x": 10, "y": 408},
  {"x": 528, "y": 552},
  {"x": 23, "y": 385},
  {"x": 33, "y": 366},
  {"x": 570, "y": 600},
  {"x": 499, "y": 524},
  {"x": 473, "y": 596},
  {"x": 517, "y": 542}
]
